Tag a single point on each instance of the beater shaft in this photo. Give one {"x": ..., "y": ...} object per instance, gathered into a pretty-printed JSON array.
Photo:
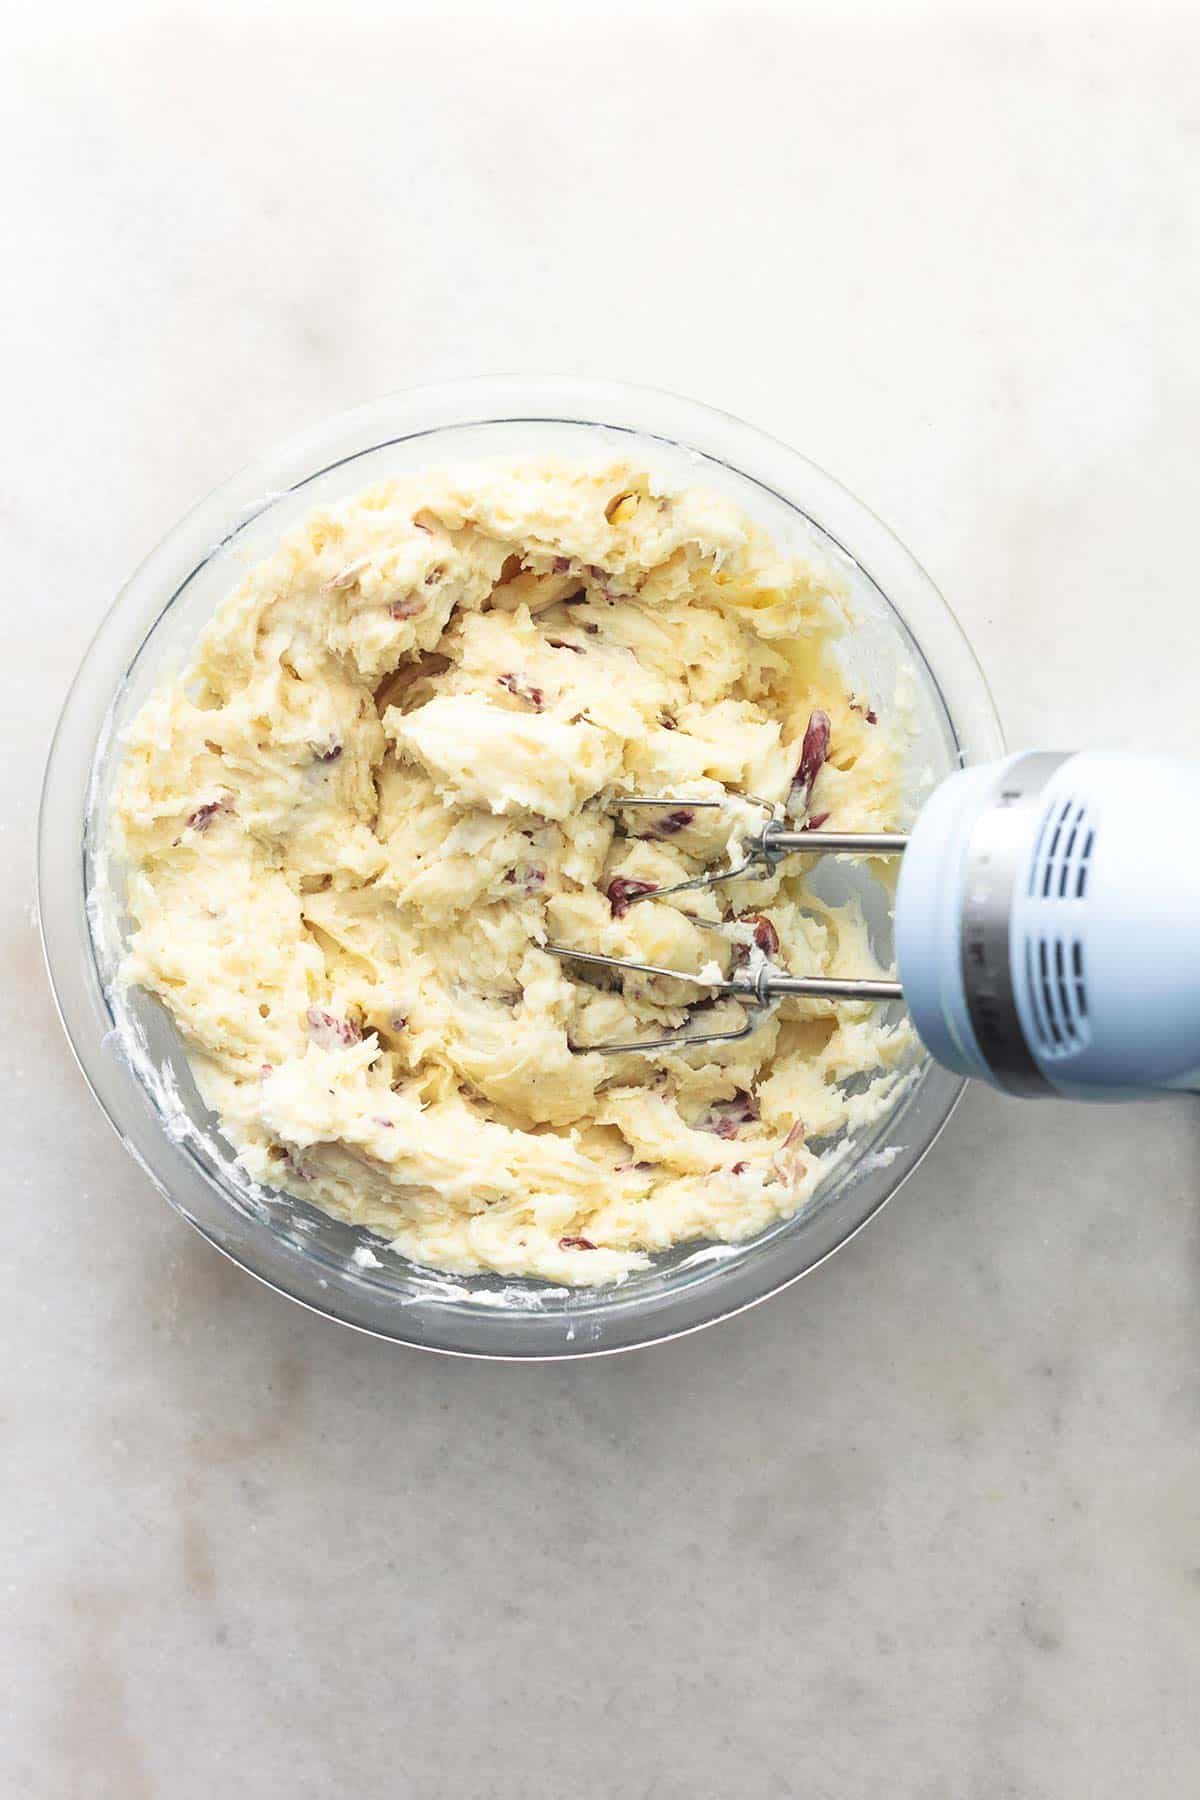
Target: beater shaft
[
  {"x": 865, "y": 843},
  {"x": 832, "y": 987},
  {"x": 761, "y": 986}
]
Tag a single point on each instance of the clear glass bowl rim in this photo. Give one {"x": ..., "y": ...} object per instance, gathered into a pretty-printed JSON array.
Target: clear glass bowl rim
[{"x": 455, "y": 1326}]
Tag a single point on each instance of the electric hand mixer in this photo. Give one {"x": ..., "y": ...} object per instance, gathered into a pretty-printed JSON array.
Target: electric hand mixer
[{"x": 1040, "y": 945}]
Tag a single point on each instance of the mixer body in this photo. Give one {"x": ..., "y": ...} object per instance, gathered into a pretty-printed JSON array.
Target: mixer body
[{"x": 1045, "y": 943}]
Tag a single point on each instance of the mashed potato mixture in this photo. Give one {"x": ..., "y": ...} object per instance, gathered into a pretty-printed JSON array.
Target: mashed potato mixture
[{"x": 390, "y": 777}]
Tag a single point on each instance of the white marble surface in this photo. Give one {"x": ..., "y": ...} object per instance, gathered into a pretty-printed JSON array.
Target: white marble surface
[{"x": 929, "y": 1524}]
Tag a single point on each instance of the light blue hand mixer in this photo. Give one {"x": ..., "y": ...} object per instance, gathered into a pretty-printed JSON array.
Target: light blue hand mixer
[{"x": 1040, "y": 944}]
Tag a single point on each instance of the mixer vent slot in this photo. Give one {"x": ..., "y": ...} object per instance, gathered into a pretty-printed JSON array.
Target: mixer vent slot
[
  {"x": 1063, "y": 854},
  {"x": 1057, "y": 990}
]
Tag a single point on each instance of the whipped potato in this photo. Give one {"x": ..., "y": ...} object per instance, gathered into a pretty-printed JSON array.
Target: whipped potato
[{"x": 389, "y": 777}]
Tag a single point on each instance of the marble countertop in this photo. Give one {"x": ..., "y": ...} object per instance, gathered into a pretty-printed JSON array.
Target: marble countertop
[{"x": 928, "y": 1525}]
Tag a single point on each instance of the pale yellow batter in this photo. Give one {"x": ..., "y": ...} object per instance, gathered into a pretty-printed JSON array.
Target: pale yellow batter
[{"x": 387, "y": 781}]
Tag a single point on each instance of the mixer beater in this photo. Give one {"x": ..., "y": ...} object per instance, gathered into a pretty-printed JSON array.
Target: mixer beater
[{"x": 759, "y": 982}]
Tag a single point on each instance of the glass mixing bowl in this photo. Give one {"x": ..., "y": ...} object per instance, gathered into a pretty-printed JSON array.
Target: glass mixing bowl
[{"x": 127, "y": 1047}]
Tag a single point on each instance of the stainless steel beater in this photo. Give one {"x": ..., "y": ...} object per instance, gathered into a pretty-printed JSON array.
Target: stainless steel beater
[{"x": 759, "y": 982}]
